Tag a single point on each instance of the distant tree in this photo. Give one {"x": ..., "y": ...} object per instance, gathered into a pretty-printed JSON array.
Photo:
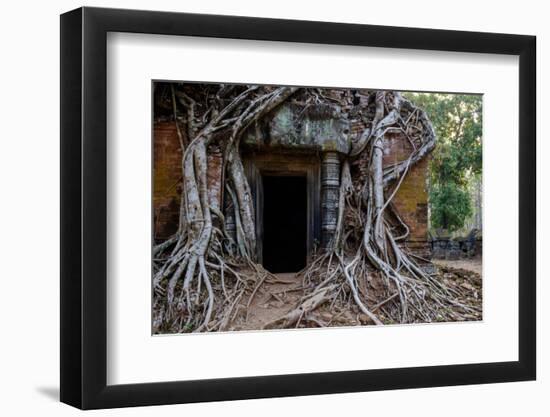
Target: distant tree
[
  {"x": 457, "y": 158},
  {"x": 451, "y": 206}
]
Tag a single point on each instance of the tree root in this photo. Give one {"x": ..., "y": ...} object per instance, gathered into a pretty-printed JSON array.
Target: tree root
[{"x": 307, "y": 305}]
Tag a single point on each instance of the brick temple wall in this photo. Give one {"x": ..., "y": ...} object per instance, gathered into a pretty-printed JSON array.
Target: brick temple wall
[
  {"x": 166, "y": 179},
  {"x": 410, "y": 201}
]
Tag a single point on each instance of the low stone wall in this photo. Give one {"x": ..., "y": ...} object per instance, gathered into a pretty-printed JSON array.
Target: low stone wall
[{"x": 450, "y": 249}]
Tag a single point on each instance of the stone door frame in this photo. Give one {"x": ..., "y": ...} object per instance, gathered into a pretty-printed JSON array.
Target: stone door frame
[{"x": 258, "y": 164}]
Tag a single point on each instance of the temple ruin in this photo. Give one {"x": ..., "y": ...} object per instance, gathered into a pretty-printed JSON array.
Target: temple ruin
[{"x": 292, "y": 159}]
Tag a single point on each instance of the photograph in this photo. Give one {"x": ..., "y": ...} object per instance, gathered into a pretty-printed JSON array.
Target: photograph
[{"x": 290, "y": 207}]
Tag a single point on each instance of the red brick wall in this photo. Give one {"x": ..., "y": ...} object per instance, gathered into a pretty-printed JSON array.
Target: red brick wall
[
  {"x": 166, "y": 179},
  {"x": 411, "y": 200}
]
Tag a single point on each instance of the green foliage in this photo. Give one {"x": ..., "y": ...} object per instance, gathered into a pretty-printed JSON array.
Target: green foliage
[
  {"x": 451, "y": 206},
  {"x": 457, "y": 158}
]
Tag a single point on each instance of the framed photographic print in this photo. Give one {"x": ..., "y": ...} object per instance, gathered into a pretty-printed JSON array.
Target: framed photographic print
[{"x": 256, "y": 208}]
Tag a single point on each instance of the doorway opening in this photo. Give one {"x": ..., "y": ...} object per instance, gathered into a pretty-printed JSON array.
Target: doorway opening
[{"x": 284, "y": 223}]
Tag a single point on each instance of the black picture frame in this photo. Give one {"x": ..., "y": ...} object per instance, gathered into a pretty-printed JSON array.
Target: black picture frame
[{"x": 84, "y": 207}]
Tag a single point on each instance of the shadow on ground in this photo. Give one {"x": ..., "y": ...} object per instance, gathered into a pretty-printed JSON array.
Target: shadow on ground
[{"x": 50, "y": 392}]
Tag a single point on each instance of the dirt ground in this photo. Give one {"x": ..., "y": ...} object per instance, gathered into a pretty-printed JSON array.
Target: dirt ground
[
  {"x": 276, "y": 297},
  {"x": 280, "y": 294},
  {"x": 474, "y": 264}
]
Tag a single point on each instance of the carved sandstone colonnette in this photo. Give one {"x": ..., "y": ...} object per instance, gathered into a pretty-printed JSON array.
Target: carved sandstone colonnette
[{"x": 330, "y": 185}]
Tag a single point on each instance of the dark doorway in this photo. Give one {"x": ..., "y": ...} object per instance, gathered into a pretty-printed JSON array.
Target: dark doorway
[{"x": 284, "y": 223}]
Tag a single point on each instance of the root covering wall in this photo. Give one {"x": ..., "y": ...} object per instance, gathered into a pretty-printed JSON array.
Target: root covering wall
[{"x": 411, "y": 199}]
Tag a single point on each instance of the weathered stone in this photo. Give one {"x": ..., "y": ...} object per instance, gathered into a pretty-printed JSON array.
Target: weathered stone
[
  {"x": 318, "y": 127},
  {"x": 439, "y": 250},
  {"x": 453, "y": 250},
  {"x": 330, "y": 187}
]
